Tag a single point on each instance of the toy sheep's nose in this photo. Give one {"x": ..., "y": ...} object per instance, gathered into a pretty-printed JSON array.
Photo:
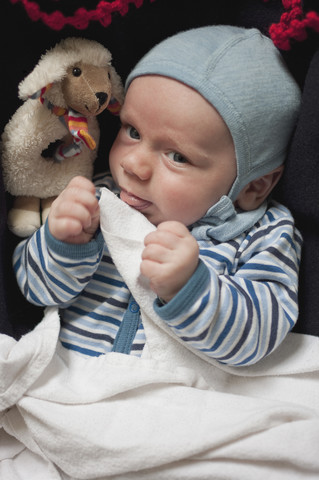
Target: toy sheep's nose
[{"x": 102, "y": 97}]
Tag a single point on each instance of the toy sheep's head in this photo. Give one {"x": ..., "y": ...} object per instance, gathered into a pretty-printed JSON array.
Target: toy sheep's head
[
  {"x": 87, "y": 88},
  {"x": 80, "y": 75}
]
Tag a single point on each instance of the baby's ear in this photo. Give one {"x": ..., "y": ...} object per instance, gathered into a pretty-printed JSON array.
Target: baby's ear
[{"x": 254, "y": 194}]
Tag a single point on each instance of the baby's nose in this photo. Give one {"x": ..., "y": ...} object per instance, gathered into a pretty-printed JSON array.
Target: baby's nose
[{"x": 137, "y": 166}]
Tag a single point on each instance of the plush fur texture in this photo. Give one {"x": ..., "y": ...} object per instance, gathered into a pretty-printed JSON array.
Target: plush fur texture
[
  {"x": 27, "y": 172},
  {"x": 54, "y": 64}
]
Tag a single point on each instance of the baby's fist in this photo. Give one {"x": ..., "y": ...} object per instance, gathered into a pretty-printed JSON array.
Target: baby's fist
[
  {"x": 169, "y": 259},
  {"x": 74, "y": 214}
]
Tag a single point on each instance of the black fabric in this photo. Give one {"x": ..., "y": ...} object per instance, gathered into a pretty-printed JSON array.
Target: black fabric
[
  {"x": 299, "y": 191},
  {"x": 128, "y": 38}
]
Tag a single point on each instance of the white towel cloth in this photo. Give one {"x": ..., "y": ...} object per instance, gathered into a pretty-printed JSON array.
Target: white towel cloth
[{"x": 168, "y": 415}]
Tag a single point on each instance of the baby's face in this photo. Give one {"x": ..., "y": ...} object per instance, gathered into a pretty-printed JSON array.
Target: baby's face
[{"x": 173, "y": 157}]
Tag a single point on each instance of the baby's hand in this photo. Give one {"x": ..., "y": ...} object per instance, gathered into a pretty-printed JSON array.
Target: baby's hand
[
  {"x": 74, "y": 215},
  {"x": 169, "y": 259}
]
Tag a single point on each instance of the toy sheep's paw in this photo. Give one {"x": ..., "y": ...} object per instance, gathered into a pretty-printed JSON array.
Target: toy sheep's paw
[{"x": 23, "y": 223}]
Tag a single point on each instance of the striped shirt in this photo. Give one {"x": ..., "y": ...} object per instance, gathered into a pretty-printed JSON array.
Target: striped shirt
[{"x": 237, "y": 307}]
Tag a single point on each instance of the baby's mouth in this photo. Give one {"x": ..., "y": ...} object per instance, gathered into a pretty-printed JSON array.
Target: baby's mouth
[{"x": 134, "y": 201}]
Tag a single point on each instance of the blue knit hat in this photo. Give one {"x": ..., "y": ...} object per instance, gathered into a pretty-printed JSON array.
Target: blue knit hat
[{"x": 242, "y": 74}]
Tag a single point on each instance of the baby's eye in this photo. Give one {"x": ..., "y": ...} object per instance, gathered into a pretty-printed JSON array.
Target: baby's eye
[
  {"x": 177, "y": 157},
  {"x": 132, "y": 132}
]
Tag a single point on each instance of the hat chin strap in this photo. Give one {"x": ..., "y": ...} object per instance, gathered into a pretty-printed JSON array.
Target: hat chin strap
[{"x": 223, "y": 222}]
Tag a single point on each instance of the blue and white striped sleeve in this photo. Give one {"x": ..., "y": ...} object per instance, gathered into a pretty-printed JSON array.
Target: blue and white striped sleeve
[
  {"x": 50, "y": 272},
  {"x": 243, "y": 314}
]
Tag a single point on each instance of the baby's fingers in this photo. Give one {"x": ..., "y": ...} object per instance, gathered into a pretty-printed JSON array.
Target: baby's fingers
[
  {"x": 155, "y": 252},
  {"x": 81, "y": 191},
  {"x": 74, "y": 211},
  {"x": 66, "y": 228},
  {"x": 70, "y": 210}
]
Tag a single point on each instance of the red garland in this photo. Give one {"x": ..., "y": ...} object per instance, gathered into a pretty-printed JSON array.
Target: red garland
[
  {"x": 81, "y": 17},
  {"x": 293, "y": 24}
]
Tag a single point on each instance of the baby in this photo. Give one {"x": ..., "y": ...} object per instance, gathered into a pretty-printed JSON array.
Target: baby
[{"x": 206, "y": 123}]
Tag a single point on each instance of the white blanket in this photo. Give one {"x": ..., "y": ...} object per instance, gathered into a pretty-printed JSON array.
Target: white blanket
[{"x": 168, "y": 415}]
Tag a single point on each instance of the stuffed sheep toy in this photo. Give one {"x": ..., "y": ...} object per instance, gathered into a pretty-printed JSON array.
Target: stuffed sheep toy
[{"x": 54, "y": 135}]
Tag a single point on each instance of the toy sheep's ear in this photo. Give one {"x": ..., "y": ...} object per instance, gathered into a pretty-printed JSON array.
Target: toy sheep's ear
[
  {"x": 39, "y": 79},
  {"x": 114, "y": 106},
  {"x": 117, "y": 99},
  {"x": 39, "y": 93}
]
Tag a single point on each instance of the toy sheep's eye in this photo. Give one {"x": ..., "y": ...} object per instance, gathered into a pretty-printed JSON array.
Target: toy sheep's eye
[
  {"x": 109, "y": 75},
  {"x": 76, "y": 72}
]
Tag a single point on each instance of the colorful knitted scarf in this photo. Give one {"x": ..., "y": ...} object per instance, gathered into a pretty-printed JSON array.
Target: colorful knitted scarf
[{"x": 74, "y": 122}]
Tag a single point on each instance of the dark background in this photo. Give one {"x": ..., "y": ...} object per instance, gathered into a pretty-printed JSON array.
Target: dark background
[{"x": 128, "y": 37}]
